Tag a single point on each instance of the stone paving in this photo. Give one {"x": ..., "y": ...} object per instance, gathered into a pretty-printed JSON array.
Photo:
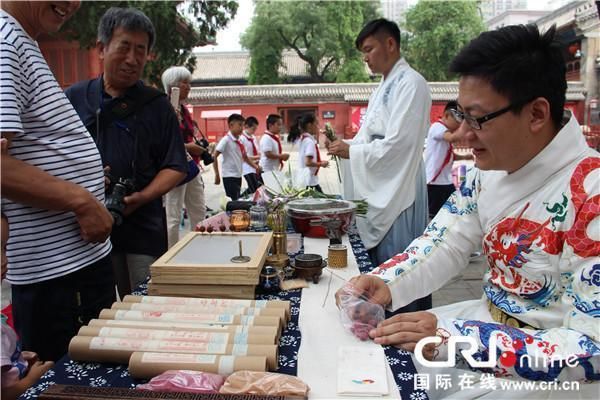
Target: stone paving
[{"x": 466, "y": 286}]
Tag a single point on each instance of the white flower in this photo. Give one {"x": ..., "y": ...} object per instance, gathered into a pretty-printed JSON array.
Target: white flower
[
  {"x": 98, "y": 382},
  {"x": 418, "y": 396},
  {"x": 405, "y": 376}
]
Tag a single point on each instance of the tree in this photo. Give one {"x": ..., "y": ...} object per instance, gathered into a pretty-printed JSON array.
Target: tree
[
  {"x": 176, "y": 34},
  {"x": 321, "y": 33},
  {"x": 436, "y": 32}
]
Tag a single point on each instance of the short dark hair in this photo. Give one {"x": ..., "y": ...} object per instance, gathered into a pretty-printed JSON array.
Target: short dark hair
[
  {"x": 519, "y": 63},
  {"x": 451, "y": 105},
  {"x": 378, "y": 26},
  {"x": 250, "y": 122},
  {"x": 308, "y": 118},
  {"x": 272, "y": 118},
  {"x": 235, "y": 117},
  {"x": 130, "y": 19}
]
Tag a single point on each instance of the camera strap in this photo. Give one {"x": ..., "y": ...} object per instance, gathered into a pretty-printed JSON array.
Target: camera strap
[{"x": 118, "y": 110}]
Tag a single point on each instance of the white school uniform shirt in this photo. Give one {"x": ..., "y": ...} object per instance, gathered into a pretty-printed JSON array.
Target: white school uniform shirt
[
  {"x": 232, "y": 156},
  {"x": 538, "y": 228},
  {"x": 267, "y": 143},
  {"x": 307, "y": 148},
  {"x": 387, "y": 151},
  {"x": 436, "y": 152},
  {"x": 247, "y": 141}
]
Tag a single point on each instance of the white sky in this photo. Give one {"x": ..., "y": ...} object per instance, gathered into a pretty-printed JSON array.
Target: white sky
[{"x": 228, "y": 38}]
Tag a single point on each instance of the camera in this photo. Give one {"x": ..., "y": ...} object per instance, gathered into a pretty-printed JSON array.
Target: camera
[
  {"x": 206, "y": 157},
  {"x": 118, "y": 190}
]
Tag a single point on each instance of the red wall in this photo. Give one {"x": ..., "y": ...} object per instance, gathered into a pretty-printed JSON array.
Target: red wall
[{"x": 342, "y": 122}]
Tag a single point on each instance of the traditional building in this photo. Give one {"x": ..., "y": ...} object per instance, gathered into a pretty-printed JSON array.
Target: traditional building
[{"x": 342, "y": 105}]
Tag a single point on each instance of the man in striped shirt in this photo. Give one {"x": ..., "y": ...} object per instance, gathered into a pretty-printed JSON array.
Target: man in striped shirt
[{"x": 52, "y": 188}]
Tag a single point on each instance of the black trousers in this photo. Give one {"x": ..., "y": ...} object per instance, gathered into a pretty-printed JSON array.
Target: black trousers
[
  {"x": 254, "y": 181},
  {"x": 232, "y": 187},
  {"x": 48, "y": 314},
  {"x": 437, "y": 196}
]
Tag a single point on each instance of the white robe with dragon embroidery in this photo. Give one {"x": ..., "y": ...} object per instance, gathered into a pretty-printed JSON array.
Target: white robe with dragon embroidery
[{"x": 540, "y": 231}]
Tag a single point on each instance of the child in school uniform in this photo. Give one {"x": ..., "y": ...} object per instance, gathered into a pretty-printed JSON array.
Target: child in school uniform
[
  {"x": 309, "y": 154},
  {"x": 234, "y": 153}
]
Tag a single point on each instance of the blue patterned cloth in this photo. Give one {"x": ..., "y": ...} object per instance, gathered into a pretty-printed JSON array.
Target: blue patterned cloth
[{"x": 69, "y": 372}]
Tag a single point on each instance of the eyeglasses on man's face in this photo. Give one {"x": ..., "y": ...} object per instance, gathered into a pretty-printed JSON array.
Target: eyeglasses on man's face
[{"x": 476, "y": 123}]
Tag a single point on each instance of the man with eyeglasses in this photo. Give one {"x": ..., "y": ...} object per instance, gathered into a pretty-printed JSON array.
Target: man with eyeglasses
[{"x": 533, "y": 202}]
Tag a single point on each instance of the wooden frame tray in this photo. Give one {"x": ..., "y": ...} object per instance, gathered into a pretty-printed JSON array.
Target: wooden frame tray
[{"x": 204, "y": 258}]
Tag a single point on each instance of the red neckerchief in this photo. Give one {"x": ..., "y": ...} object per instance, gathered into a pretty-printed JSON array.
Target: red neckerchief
[
  {"x": 237, "y": 141},
  {"x": 447, "y": 158},
  {"x": 306, "y": 135},
  {"x": 276, "y": 138},
  {"x": 251, "y": 139}
]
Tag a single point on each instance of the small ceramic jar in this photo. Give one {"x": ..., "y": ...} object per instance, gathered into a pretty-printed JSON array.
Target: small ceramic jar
[{"x": 269, "y": 279}]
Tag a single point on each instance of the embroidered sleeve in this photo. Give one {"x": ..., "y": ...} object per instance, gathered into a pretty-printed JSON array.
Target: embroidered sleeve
[
  {"x": 443, "y": 250},
  {"x": 507, "y": 352}
]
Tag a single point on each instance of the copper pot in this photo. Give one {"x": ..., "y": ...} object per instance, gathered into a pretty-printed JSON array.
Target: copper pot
[{"x": 309, "y": 266}]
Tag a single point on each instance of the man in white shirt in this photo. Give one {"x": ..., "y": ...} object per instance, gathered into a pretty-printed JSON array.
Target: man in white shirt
[
  {"x": 249, "y": 140},
  {"x": 272, "y": 155},
  {"x": 383, "y": 164},
  {"x": 234, "y": 153},
  {"x": 439, "y": 156}
]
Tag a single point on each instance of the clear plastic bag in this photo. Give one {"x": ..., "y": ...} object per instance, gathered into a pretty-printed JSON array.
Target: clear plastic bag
[
  {"x": 358, "y": 314},
  {"x": 264, "y": 383},
  {"x": 184, "y": 381}
]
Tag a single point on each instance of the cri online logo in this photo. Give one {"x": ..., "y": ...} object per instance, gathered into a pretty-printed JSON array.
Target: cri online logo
[{"x": 507, "y": 358}]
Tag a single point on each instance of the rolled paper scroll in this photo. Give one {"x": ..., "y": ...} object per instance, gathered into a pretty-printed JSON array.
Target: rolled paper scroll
[
  {"x": 174, "y": 325},
  {"x": 184, "y": 301},
  {"x": 203, "y": 309},
  {"x": 176, "y": 335},
  {"x": 146, "y": 365},
  {"x": 108, "y": 349},
  {"x": 218, "y": 319}
]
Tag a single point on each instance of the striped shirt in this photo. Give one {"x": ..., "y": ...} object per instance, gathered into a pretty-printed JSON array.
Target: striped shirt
[{"x": 49, "y": 135}]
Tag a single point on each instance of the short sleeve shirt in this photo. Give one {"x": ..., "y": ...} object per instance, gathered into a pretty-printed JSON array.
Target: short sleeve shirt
[
  {"x": 247, "y": 141},
  {"x": 436, "y": 152},
  {"x": 232, "y": 156},
  {"x": 49, "y": 135},
  {"x": 267, "y": 143},
  {"x": 308, "y": 149},
  {"x": 138, "y": 146}
]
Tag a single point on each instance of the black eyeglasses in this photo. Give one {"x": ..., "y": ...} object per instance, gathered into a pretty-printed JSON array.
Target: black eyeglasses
[{"x": 476, "y": 123}]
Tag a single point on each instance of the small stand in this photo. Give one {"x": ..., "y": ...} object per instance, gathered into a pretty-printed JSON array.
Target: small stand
[{"x": 241, "y": 258}]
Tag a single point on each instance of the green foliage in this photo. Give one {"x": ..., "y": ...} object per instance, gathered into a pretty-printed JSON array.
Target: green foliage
[
  {"x": 437, "y": 30},
  {"x": 176, "y": 35},
  {"x": 321, "y": 33}
]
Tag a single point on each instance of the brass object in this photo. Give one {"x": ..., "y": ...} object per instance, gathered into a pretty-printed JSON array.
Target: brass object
[
  {"x": 337, "y": 256},
  {"x": 279, "y": 243},
  {"x": 503, "y": 318},
  {"x": 241, "y": 258},
  {"x": 239, "y": 220}
]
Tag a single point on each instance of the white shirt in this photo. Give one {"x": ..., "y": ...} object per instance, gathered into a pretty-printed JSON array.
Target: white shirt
[
  {"x": 387, "y": 152},
  {"x": 436, "y": 152},
  {"x": 307, "y": 148},
  {"x": 232, "y": 156},
  {"x": 267, "y": 143},
  {"x": 49, "y": 135},
  {"x": 247, "y": 141}
]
